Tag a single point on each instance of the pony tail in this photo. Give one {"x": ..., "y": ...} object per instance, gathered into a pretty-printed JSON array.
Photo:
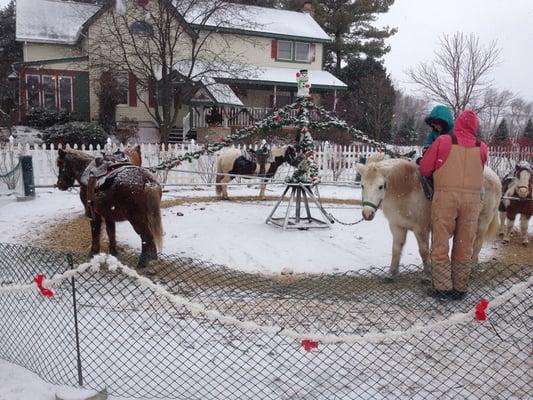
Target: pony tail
[{"x": 153, "y": 206}]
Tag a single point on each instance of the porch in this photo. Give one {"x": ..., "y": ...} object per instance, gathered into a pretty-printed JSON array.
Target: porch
[{"x": 242, "y": 102}]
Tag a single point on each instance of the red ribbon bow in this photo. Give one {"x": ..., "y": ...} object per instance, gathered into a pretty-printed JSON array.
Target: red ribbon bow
[
  {"x": 44, "y": 291},
  {"x": 480, "y": 310},
  {"x": 309, "y": 345}
]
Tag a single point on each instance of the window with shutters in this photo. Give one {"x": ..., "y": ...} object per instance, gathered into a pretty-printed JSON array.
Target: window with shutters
[
  {"x": 123, "y": 84},
  {"x": 301, "y": 52},
  {"x": 286, "y": 50}
]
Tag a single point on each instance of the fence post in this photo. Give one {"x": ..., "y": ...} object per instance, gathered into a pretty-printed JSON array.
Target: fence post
[
  {"x": 28, "y": 182},
  {"x": 76, "y": 332}
]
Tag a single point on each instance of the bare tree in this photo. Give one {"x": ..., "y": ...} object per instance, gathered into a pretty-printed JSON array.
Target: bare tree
[
  {"x": 459, "y": 74},
  {"x": 495, "y": 105},
  {"x": 171, "y": 48},
  {"x": 518, "y": 113}
]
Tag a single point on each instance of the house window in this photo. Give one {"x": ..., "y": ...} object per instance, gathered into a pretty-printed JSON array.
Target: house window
[
  {"x": 141, "y": 28},
  {"x": 65, "y": 93},
  {"x": 284, "y": 50},
  {"x": 123, "y": 84},
  {"x": 49, "y": 92},
  {"x": 301, "y": 52},
  {"x": 33, "y": 91}
]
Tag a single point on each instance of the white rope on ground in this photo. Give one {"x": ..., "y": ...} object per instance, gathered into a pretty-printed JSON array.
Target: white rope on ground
[{"x": 113, "y": 265}]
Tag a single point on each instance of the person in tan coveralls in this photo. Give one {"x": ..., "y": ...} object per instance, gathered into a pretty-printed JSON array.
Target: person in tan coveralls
[{"x": 456, "y": 162}]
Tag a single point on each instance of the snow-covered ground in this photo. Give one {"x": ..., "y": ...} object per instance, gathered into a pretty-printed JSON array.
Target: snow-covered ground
[
  {"x": 234, "y": 233},
  {"x": 17, "y": 383}
]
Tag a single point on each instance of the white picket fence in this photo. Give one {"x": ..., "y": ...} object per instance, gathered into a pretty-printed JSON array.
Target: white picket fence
[{"x": 336, "y": 163}]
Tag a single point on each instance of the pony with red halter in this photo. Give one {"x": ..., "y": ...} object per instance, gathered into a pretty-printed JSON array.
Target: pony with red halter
[{"x": 517, "y": 199}]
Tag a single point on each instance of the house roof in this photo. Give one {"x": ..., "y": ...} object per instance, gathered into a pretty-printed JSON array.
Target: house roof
[
  {"x": 54, "y": 21},
  {"x": 260, "y": 21},
  {"x": 287, "y": 77},
  {"x": 51, "y": 21}
]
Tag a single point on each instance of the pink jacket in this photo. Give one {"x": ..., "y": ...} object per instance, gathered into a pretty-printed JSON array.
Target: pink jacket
[{"x": 466, "y": 131}]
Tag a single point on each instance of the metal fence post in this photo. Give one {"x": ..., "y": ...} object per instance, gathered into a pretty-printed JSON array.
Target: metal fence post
[
  {"x": 76, "y": 332},
  {"x": 26, "y": 164}
]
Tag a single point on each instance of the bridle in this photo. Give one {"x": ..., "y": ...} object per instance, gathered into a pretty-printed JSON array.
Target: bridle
[
  {"x": 372, "y": 205},
  {"x": 367, "y": 203}
]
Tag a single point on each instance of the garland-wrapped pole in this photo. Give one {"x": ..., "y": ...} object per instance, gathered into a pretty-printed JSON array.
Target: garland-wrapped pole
[{"x": 307, "y": 170}]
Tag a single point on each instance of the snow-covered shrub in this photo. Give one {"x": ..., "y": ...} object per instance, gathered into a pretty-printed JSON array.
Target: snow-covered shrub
[
  {"x": 80, "y": 133},
  {"x": 42, "y": 119}
]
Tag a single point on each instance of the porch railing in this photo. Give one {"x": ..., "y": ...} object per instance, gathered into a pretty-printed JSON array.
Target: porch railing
[{"x": 235, "y": 116}]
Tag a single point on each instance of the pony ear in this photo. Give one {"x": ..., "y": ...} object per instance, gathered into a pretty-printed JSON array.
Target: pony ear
[
  {"x": 361, "y": 168},
  {"x": 61, "y": 153}
]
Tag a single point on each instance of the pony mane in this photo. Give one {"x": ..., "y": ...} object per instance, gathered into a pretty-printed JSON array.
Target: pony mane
[
  {"x": 79, "y": 154},
  {"x": 375, "y": 157},
  {"x": 402, "y": 175}
]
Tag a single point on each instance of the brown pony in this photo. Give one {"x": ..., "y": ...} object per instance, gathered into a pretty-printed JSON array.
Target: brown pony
[
  {"x": 126, "y": 193},
  {"x": 517, "y": 199}
]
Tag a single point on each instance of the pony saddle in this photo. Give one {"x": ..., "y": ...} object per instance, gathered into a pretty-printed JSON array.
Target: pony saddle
[{"x": 101, "y": 172}]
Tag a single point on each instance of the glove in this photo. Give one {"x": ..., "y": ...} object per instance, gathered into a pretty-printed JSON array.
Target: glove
[{"x": 418, "y": 160}]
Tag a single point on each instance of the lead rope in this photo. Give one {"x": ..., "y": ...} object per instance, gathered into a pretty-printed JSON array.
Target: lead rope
[{"x": 330, "y": 216}]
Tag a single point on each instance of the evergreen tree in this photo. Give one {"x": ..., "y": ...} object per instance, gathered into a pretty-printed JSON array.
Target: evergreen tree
[
  {"x": 10, "y": 51},
  {"x": 502, "y": 132},
  {"x": 528, "y": 130},
  {"x": 406, "y": 134},
  {"x": 349, "y": 23},
  {"x": 369, "y": 101}
]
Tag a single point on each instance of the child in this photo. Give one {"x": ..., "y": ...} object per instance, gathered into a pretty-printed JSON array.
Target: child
[{"x": 440, "y": 120}]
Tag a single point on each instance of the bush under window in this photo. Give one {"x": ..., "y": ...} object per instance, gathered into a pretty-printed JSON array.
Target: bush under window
[
  {"x": 80, "y": 133},
  {"x": 41, "y": 119}
]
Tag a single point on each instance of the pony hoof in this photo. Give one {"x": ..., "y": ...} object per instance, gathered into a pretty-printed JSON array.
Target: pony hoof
[
  {"x": 525, "y": 244},
  {"x": 505, "y": 241}
]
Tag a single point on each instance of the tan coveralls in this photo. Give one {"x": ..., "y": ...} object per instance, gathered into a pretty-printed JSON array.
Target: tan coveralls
[{"x": 454, "y": 213}]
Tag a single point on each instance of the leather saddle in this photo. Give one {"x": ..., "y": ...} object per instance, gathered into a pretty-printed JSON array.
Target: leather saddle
[
  {"x": 261, "y": 156},
  {"x": 101, "y": 172}
]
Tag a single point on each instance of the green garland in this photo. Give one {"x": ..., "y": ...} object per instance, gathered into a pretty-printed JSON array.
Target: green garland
[{"x": 306, "y": 170}]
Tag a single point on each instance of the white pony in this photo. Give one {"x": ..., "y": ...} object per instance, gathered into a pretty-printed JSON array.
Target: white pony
[{"x": 394, "y": 186}]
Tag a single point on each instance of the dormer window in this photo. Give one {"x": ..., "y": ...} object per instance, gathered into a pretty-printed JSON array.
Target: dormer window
[{"x": 286, "y": 50}]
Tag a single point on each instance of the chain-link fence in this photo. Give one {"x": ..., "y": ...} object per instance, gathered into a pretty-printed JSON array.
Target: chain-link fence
[{"x": 108, "y": 329}]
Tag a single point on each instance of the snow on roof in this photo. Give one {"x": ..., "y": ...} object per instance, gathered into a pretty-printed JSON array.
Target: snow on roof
[
  {"x": 51, "y": 21},
  {"x": 223, "y": 94},
  {"x": 268, "y": 21},
  {"x": 54, "y": 21},
  {"x": 288, "y": 76}
]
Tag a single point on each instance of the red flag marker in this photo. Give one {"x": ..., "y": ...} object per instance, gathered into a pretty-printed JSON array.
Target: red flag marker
[
  {"x": 309, "y": 345},
  {"x": 480, "y": 310},
  {"x": 44, "y": 291}
]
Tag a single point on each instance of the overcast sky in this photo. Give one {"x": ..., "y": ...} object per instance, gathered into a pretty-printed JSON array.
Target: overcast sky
[{"x": 420, "y": 23}]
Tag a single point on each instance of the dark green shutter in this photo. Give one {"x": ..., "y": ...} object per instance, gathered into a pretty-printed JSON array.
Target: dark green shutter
[{"x": 81, "y": 93}]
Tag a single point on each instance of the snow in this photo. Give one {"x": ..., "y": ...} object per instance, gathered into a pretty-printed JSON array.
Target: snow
[
  {"x": 288, "y": 76},
  {"x": 234, "y": 233},
  {"x": 257, "y": 19},
  {"x": 17, "y": 383},
  {"x": 54, "y": 21},
  {"x": 26, "y": 135},
  {"x": 224, "y": 95},
  {"x": 51, "y": 21}
]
